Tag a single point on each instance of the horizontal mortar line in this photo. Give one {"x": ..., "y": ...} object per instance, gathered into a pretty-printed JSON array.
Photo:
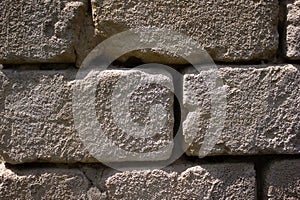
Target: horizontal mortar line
[
  {"x": 219, "y": 66},
  {"x": 189, "y": 159}
]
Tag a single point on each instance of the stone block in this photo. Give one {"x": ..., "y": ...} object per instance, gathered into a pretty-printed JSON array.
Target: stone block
[
  {"x": 134, "y": 112},
  {"x": 230, "y": 30},
  {"x": 292, "y": 43},
  {"x": 207, "y": 181},
  {"x": 246, "y": 111},
  {"x": 42, "y": 183},
  {"x": 43, "y": 31},
  {"x": 282, "y": 180}
]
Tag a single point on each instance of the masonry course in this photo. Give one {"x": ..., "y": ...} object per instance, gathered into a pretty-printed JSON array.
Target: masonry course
[{"x": 178, "y": 181}]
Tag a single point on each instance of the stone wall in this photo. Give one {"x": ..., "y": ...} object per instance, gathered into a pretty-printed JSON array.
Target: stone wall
[{"x": 86, "y": 111}]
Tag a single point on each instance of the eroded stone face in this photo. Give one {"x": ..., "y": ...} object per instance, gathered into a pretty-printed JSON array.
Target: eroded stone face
[
  {"x": 38, "y": 108},
  {"x": 43, "y": 31},
  {"x": 42, "y": 183},
  {"x": 134, "y": 112},
  {"x": 178, "y": 181},
  {"x": 260, "y": 111},
  {"x": 156, "y": 184},
  {"x": 36, "y": 118},
  {"x": 185, "y": 182},
  {"x": 224, "y": 27},
  {"x": 282, "y": 180},
  {"x": 293, "y": 30}
]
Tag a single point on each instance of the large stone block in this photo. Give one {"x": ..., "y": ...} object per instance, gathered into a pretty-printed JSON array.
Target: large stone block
[
  {"x": 247, "y": 111},
  {"x": 208, "y": 181},
  {"x": 282, "y": 180},
  {"x": 42, "y": 183},
  {"x": 36, "y": 117},
  {"x": 134, "y": 111},
  {"x": 43, "y": 31},
  {"x": 42, "y": 118},
  {"x": 292, "y": 42},
  {"x": 229, "y": 30}
]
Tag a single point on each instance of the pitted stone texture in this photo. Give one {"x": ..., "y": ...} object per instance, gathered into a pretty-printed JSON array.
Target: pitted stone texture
[
  {"x": 95, "y": 194},
  {"x": 293, "y": 30},
  {"x": 219, "y": 181},
  {"x": 178, "y": 181},
  {"x": 42, "y": 183},
  {"x": 43, "y": 31},
  {"x": 282, "y": 180},
  {"x": 229, "y": 30},
  {"x": 148, "y": 184},
  {"x": 36, "y": 118},
  {"x": 134, "y": 115},
  {"x": 37, "y": 121},
  {"x": 261, "y": 111}
]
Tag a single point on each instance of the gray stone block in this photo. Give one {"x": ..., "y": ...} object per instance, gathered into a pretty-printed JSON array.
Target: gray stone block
[
  {"x": 39, "y": 109},
  {"x": 42, "y": 183},
  {"x": 36, "y": 122},
  {"x": 292, "y": 43},
  {"x": 207, "y": 181},
  {"x": 134, "y": 110},
  {"x": 282, "y": 180},
  {"x": 229, "y": 30},
  {"x": 249, "y": 111},
  {"x": 46, "y": 31}
]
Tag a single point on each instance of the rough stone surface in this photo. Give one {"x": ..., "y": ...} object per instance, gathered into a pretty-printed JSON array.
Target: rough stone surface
[
  {"x": 178, "y": 181},
  {"x": 47, "y": 31},
  {"x": 225, "y": 28},
  {"x": 42, "y": 183},
  {"x": 222, "y": 181},
  {"x": 282, "y": 180},
  {"x": 148, "y": 184},
  {"x": 36, "y": 117},
  {"x": 293, "y": 30},
  {"x": 134, "y": 112},
  {"x": 261, "y": 111},
  {"x": 37, "y": 122}
]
